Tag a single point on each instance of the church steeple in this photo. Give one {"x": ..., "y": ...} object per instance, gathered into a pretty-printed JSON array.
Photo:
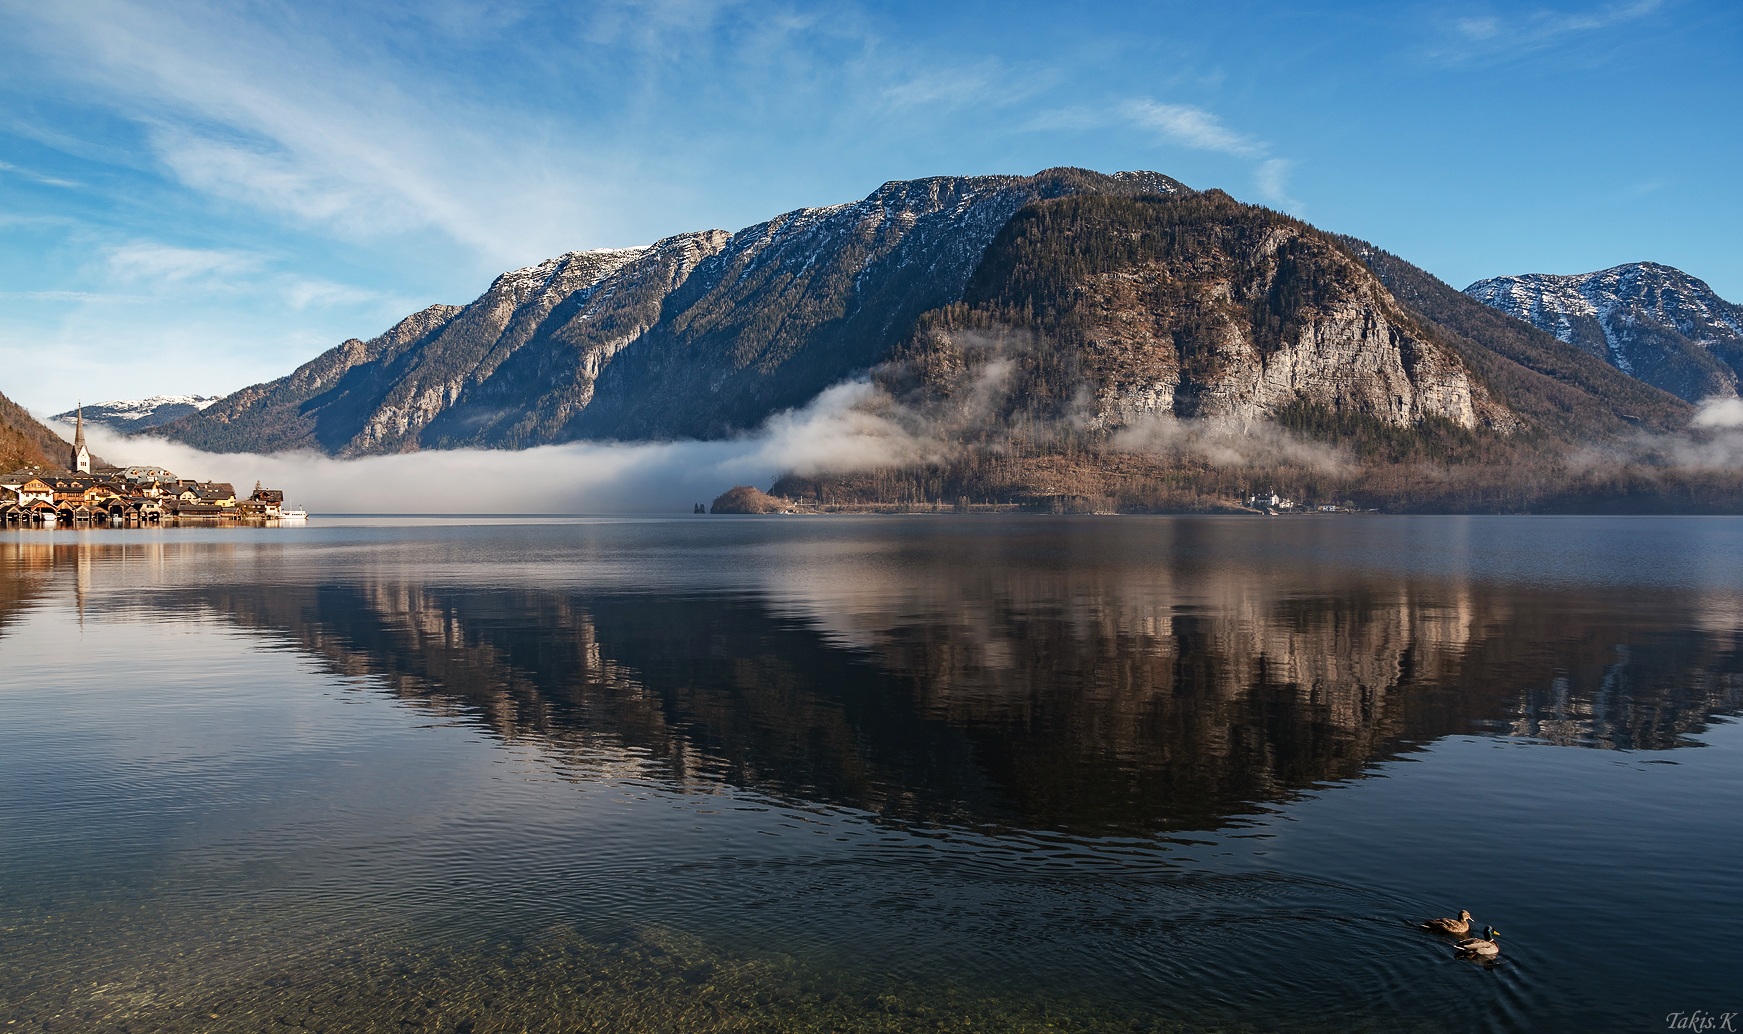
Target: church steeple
[{"x": 81, "y": 455}]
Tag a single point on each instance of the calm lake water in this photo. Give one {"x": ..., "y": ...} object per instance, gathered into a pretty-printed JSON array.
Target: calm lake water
[{"x": 927, "y": 773}]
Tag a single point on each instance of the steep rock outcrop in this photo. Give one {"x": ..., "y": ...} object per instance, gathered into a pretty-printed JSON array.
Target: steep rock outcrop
[
  {"x": 1651, "y": 321},
  {"x": 475, "y": 343},
  {"x": 1105, "y": 311},
  {"x": 538, "y": 384}
]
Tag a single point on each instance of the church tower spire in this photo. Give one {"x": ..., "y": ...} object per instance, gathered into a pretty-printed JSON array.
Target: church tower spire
[{"x": 81, "y": 455}]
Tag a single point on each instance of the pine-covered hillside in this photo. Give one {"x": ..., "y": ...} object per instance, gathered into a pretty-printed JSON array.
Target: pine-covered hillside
[
  {"x": 25, "y": 441},
  {"x": 1104, "y": 312}
]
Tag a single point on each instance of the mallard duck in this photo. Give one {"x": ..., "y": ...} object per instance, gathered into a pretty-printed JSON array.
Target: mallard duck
[
  {"x": 1457, "y": 927},
  {"x": 1488, "y": 944}
]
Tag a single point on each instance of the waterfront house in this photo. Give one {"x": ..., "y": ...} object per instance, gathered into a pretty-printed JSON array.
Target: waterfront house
[
  {"x": 220, "y": 495},
  {"x": 35, "y": 490}
]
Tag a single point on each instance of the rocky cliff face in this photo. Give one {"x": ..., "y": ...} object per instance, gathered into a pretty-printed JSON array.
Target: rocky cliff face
[
  {"x": 1651, "y": 321},
  {"x": 531, "y": 385},
  {"x": 699, "y": 335},
  {"x": 1107, "y": 312}
]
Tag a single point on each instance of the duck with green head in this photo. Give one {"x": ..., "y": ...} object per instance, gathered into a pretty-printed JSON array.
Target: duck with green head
[{"x": 1486, "y": 945}]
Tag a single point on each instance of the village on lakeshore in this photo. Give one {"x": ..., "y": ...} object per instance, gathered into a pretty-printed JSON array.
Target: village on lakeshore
[{"x": 83, "y": 495}]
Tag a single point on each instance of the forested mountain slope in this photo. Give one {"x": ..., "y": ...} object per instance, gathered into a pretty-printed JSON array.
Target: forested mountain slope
[
  {"x": 1105, "y": 300},
  {"x": 699, "y": 335},
  {"x": 1105, "y": 312},
  {"x": 1567, "y": 391},
  {"x": 26, "y": 441}
]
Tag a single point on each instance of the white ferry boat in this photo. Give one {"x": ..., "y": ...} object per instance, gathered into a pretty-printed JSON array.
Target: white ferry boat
[{"x": 293, "y": 513}]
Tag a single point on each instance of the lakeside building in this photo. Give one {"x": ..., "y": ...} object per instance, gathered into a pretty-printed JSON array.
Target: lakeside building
[
  {"x": 41, "y": 496},
  {"x": 37, "y": 496},
  {"x": 1270, "y": 501}
]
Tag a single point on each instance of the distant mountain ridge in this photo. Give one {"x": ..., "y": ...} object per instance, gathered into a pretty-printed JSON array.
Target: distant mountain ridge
[
  {"x": 130, "y": 416},
  {"x": 699, "y": 335},
  {"x": 1186, "y": 305},
  {"x": 1651, "y": 321},
  {"x": 1565, "y": 390}
]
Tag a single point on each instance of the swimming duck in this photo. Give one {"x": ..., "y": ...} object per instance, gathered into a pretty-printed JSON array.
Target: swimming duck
[
  {"x": 1488, "y": 944},
  {"x": 1457, "y": 927}
]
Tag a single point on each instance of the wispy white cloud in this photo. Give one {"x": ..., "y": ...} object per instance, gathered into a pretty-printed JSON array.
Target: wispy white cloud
[
  {"x": 1478, "y": 28},
  {"x": 162, "y": 263},
  {"x": 171, "y": 269},
  {"x": 1182, "y": 125},
  {"x": 1191, "y": 127},
  {"x": 306, "y": 293},
  {"x": 1520, "y": 32},
  {"x": 1272, "y": 180},
  {"x": 834, "y": 432},
  {"x": 327, "y": 131},
  {"x": 1718, "y": 412},
  {"x": 36, "y": 177},
  {"x": 76, "y": 296},
  {"x": 988, "y": 82}
]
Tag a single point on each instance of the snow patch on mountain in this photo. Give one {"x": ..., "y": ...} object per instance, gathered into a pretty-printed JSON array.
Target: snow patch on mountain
[
  {"x": 1649, "y": 320},
  {"x": 130, "y": 415}
]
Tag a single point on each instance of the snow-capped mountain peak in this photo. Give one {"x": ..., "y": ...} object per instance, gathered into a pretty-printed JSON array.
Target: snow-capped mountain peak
[
  {"x": 131, "y": 415},
  {"x": 1649, "y": 320}
]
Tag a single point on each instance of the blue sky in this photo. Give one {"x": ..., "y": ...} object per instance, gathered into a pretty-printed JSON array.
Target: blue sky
[{"x": 197, "y": 197}]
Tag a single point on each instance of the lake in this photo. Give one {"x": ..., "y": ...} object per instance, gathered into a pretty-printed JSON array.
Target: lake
[{"x": 882, "y": 773}]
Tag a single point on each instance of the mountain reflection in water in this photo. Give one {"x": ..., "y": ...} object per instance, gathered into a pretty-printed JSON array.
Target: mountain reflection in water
[{"x": 1102, "y": 685}]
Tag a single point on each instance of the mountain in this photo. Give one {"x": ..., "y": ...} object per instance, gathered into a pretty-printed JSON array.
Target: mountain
[
  {"x": 1318, "y": 367},
  {"x": 130, "y": 416},
  {"x": 1563, "y": 389},
  {"x": 26, "y": 441},
  {"x": 1651, "y": 321},
  {"x": 798, "y": 303},
  {"x": 698, "y": 335},
  {"x": 1099, "y": 303},
  {"x": 1104, "y": 312}
]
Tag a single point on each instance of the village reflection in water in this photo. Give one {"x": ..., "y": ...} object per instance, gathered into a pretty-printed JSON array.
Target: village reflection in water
[{"x": 980, "y": 681}]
